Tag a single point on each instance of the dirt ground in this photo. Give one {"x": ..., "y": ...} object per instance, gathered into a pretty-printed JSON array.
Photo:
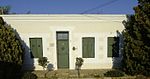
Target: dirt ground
[{"x": 73, "y": 74}]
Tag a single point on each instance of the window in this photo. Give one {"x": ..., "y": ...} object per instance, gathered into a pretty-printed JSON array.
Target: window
[
  {"x": 88, "y": 47},
  {"x": 113, "y": 47},
  {"x": 36, "y": 47},
  {"x": 62, "y": 35}
]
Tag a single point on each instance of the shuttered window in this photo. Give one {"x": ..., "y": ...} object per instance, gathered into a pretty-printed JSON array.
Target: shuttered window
[
  {"x": 88, "y": 47},
  {"x": 113, "y": 47},
  {"x": 36, "y": 48}
]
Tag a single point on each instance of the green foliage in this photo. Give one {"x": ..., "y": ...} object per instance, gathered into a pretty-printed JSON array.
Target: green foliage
[
  {"x": 29, "y": 75},
  {"x": 11, "y": 52},
  {"x": 79, "y": 62},
  {"x": 136, "y": 56},
  {"x": 4, "y": 9},
  {"x": 114, "y": 73},
  {"x": 10, "y": 46},
  {"x": 43, "y": 62}
]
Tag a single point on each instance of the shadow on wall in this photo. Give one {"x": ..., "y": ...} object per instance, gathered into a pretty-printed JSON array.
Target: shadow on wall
[
  {"x": 10, "y": 67},
  {"x": 117, "y": 60},
  {"x": 7, "y": 72},
  {"x": 28, "y": 56}
]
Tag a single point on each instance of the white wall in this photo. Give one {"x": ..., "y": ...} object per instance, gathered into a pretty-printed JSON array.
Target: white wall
[{"x": 46, "y": 26}]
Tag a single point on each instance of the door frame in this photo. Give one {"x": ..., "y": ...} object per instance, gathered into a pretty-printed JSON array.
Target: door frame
[{"x": 57, "y": 49}]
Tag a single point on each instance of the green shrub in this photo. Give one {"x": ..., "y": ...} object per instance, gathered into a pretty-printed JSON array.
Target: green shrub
[
  {"x": 146, "y": 74},
  {"x": 79, "y": 63},
  {"x": 29, "y": 75},
  {"x": 114, "y": 73},
  {"x": 43, "y": 62}
]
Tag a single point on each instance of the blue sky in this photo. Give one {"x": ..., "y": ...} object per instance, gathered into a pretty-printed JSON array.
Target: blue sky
[{"x": 71, "y": 6}]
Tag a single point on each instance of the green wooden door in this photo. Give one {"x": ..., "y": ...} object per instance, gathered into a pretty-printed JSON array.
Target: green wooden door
[
  {"x": 62, "y": 50},
  {"x": 36, "y": 47}
]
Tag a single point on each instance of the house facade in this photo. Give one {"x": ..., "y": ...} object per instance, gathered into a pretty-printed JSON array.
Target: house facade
[{"x": 62, "y": 37}]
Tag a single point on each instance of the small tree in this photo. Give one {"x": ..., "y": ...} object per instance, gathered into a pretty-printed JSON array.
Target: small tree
[
  {"x": 43, "y": 62},
  {"x": 78, "y": 64}
]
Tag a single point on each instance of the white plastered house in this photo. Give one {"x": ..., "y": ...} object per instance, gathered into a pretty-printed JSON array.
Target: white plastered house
[{"x": 63, "y": 37}]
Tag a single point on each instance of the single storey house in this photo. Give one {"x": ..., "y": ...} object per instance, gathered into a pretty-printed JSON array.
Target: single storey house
[{"x": 62, "y": 37}]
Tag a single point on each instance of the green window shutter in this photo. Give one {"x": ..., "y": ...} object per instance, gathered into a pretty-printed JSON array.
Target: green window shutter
[
  {"x": 84, "y": 48},
  {"x": 33, "y": 47},
  {"x": 36, "y": 47},
  {"x": 110, "y": 47},
  {"x": 88, "y": 47},
  {"x": 39, "y": 48},
  {"x": 113, "y": 47}
]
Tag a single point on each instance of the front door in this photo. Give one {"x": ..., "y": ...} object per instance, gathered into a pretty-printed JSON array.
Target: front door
[{"x": 63, "y": 50}]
